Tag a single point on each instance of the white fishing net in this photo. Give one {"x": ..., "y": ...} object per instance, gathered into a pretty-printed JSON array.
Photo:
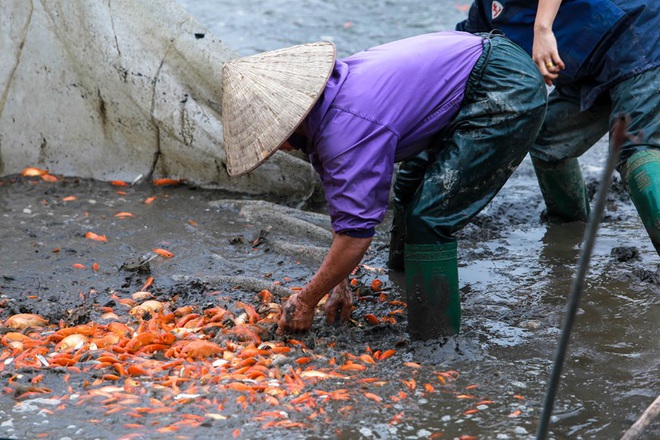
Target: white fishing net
[{"x": 119, "y": 89}]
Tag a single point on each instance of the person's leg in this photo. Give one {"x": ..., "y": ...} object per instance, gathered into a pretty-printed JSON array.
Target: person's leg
[
  {"x": 500, "y": 116},
  {"x": 408, "y": 179},
  {"x": 639, "y": 164},
  {"x": 565, "y": 135}
]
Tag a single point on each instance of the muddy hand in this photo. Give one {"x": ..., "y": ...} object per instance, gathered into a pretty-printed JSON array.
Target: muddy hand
[
  {"x": 296, "y": 316},
  {"x": 340, "y": 301}
]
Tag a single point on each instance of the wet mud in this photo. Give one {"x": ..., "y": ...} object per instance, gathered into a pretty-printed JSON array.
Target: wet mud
[
  {"x": 360, "y": 380},
  {"x": 515, "y": 274}
]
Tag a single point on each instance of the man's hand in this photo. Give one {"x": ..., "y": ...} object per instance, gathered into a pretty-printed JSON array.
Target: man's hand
[
  {"x": 296, "y": 316},
  {"x": 544, "y": 46},
  {"x": 340, "y": 301},
  {"x": 546, "y": 56},
  {"x": 345, "y": 253}
]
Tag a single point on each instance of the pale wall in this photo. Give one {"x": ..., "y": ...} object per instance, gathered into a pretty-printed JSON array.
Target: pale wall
[{"x": 118, "y": 89}]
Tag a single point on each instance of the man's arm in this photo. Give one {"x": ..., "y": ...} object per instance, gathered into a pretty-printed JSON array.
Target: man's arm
[
  {"x": 345, "y": 253},
  {"x": 544, "y": 48}
]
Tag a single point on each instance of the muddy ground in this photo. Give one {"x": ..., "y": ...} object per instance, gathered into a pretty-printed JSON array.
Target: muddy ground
[
  {"x": 489, "y": 383},
  {"x": 515, "y": 271}
]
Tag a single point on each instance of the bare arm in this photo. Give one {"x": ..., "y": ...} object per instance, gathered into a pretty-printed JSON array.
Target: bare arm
[
  {"x": 345, "y": 253},
  {"x": 544, "y": 49}
]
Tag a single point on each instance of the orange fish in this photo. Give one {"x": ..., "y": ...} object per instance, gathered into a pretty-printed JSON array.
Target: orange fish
[
  {"x": 373, "y": 397},
  {"x": 97, "y": 237},
  {"x": 33, "y": 171},
  {"x": 163, "y": 253},
  {"x": 166, "y": 182}
]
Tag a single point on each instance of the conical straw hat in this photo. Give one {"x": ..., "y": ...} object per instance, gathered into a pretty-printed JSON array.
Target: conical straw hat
[{"x": 266, "y": 96}]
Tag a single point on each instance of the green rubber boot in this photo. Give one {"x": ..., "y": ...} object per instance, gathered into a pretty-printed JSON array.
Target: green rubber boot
[
  {"x": 641, "y": 175},
  {"x": 563, "y": 190},
  {"x": 434, "y": 305}
]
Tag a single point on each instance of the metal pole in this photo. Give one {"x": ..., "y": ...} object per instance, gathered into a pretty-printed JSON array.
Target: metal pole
[{"x": 617, "y": 137}]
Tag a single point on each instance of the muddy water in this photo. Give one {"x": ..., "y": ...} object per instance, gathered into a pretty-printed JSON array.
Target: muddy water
[{"x": 515, "y": 272}]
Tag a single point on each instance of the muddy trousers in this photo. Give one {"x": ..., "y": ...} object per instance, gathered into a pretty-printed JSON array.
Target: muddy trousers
[
  {"x": 568, "y": 132},
  {"x": 438, "y": 192}
]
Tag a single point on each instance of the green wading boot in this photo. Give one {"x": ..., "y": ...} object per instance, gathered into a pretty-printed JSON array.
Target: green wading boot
[
  {"x": 397, "y": 239},
  {"x": 563, "y": 190},
  {"x": 641, "y": 175},
  {"x": 434, "y": 305}
]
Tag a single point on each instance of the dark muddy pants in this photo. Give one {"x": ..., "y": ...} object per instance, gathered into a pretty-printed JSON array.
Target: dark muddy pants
[
  {"x": 568, "y": 132},
  {"x": 445, "y": 187}
]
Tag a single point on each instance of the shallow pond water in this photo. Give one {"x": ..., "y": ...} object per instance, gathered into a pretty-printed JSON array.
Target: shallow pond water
[{"x": 515, "y": 273}]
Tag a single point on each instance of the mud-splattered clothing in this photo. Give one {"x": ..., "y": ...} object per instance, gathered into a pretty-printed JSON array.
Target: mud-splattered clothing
[
  {"x": 391, "y": 102},
  {"x": 380, "y": 106},
  {"x": 444, "y": 188},
  {"x": 601, "y": 42},
  {"x": 611, "y": 49}
]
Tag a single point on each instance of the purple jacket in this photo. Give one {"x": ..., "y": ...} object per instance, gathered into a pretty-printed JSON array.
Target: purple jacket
[{"x": 381, "y": 106}]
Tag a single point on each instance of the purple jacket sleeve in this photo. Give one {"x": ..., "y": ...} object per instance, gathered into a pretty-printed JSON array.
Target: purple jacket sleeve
[{"x": 355, "y": 159}]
